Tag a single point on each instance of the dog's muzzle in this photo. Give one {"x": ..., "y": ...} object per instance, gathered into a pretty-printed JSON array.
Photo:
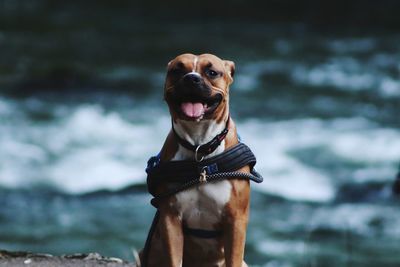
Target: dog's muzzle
[{"x": 192, "y": 97}]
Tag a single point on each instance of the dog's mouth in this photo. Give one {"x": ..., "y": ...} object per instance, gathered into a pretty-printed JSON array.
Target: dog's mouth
[{"x": 197, "y": 108}]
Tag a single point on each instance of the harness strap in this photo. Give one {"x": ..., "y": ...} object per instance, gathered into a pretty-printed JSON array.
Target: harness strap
[
  {"x": 147, "y": 245},
  {"x": 201, "y": 233},
  {"x": 253, "y": 176},
  {"x": 181, "y": 172}
]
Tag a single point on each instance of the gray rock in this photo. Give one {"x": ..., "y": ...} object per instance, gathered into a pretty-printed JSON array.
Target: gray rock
[{"x": 27, "y": 259}]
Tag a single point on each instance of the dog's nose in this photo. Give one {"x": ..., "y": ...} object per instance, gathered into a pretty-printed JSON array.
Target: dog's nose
[{"x": 192, "y": 78}]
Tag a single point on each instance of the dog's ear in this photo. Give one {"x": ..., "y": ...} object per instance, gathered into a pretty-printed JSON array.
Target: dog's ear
[
  {"x": 169, "y": 63},
  {"x": 230, "y": 67}
]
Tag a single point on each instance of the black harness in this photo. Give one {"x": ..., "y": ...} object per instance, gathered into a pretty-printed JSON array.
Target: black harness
[{"x": 181, "y": 175}]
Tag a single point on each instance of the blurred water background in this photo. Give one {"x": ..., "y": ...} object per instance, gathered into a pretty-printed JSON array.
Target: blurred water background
[{"x": 316, "y": 96}]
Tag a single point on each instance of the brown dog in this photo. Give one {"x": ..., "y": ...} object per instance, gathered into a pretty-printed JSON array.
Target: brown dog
[{"x": 197, "y": 94}]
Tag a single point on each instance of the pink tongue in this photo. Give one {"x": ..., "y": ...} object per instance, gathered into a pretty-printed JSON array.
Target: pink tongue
[{"x": 192, "y": 110}]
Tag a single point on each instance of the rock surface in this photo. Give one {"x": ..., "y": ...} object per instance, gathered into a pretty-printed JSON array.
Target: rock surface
[{"x": 13, "y": 259}]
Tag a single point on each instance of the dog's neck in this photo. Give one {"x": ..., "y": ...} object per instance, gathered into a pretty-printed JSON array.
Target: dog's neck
[{"x": 198, "y": 133}]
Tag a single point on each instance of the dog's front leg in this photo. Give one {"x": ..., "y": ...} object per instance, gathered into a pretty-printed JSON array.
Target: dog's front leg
[
  {"x": 234, "y": 242},
  {"x": 235, "y": 225},
  {"x": 172, "y": 236}
]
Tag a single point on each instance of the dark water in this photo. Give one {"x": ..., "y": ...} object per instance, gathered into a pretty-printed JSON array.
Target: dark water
[
  {"x": 281, "y": 233},
  {"x": 81, "y": 111}
]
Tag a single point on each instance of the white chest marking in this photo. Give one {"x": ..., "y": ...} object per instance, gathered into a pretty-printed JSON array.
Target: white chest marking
[{"x": 202, "y": 206}]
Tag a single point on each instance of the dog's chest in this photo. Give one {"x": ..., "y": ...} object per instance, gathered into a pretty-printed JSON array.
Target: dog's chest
[{"x": 203, "y": 206}]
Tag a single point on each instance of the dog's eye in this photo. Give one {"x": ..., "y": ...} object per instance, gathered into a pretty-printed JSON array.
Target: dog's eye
[{"x": 212, "y": 73}]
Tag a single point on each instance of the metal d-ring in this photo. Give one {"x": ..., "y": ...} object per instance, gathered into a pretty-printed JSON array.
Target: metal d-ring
[{"x": 196, "y": 153}]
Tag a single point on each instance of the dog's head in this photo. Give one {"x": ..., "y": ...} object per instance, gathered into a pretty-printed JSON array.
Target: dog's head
[{"x": 197, "y": 87}]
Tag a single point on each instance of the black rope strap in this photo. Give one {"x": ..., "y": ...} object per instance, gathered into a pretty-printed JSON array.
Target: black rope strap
[{"x": 253, "y": 176}]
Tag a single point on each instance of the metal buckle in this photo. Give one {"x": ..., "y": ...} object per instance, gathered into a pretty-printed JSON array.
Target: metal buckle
[
  {"x": 196, "y": 155},
  {"x": 203, "y": 176}
]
